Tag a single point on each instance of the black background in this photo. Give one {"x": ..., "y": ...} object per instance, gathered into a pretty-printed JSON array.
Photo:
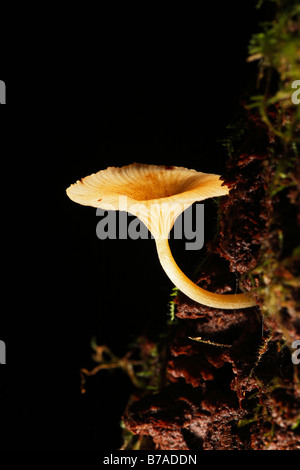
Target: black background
[{"x": 113, "y": 87}]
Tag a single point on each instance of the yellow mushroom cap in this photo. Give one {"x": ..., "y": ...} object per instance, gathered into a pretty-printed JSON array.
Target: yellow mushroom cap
[{"x": 156, "y": 194}]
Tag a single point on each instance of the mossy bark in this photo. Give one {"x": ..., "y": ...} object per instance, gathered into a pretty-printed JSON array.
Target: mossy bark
[{"x": 237, "y": 386}]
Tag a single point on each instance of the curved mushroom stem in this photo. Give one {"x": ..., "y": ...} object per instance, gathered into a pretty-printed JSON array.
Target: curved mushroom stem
[{"x": 204, "y": 297}]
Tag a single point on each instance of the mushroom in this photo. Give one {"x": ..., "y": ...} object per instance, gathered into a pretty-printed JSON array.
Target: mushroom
[{"x": 157, "y": 195}]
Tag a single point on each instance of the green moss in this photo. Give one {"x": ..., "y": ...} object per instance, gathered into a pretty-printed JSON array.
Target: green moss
[
  {"x": 172, "y": 304},
  {"x": 296, "y": 424},
  {"x": 277, "y": 47}
]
